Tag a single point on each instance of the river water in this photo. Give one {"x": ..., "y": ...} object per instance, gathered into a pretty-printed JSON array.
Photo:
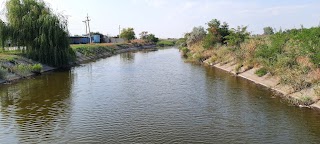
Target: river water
[{"x": 149, "y": 97}]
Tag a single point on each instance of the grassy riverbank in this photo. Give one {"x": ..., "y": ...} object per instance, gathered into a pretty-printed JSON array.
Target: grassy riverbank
[
  {"x": 166, "y": 43},
  {"x": 290, "y": 58},
  {"x": 90, "y": 52}
]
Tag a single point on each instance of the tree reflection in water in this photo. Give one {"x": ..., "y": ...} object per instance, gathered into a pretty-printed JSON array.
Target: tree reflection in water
[{"x": 36, "y": 109}]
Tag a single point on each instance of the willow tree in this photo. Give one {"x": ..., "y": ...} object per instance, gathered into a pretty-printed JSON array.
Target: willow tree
[
  {"x": 4, "y": 33},
  {"x": 43, "y": 34}
]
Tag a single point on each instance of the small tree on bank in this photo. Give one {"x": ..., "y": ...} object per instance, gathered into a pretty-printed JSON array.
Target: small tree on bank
[
  {"x": 148, "y": 37},
  {"x": 143, "y": 35},
  {"x": 237, "y": 36},
  {"x": 216, "y": 33},
  {"x": 128, "y": 34},
  {"x": 197, "y": 34},
  {"x": 151, "y": 38}
]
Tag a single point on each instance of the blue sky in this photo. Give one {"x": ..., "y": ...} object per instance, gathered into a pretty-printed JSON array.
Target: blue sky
[{"x": 173, "y": 18}]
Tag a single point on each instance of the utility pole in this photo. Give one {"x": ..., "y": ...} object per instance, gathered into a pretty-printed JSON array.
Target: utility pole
[
  {"x": 85, "y": 23},
  {"x": 119, "y": 31},
  {"x": 88, "y": 20}
]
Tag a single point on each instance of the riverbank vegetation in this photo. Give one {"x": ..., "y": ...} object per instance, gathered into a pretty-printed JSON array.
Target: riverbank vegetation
[{"x": 291, "y": 55}]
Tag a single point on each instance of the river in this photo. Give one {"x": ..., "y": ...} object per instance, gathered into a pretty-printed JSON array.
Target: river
[{"x": 149, "y": 97}]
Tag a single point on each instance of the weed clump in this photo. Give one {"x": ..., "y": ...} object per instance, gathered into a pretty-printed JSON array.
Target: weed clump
[
  {"x": 261, "y": 72},
  {"x": 37, "y": 68}
]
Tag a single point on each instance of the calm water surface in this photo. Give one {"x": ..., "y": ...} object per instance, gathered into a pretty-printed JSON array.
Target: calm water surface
[{"x": 149, "y": 97}]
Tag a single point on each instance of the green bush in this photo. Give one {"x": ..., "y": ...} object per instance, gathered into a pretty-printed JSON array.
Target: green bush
[
  {"x": 184, "y": 51},
  {"x": 237, "y": 36},
  {"x": 261, "y": 72},
  {"x": 37, "y": 68},
  {"x": 217, "y": 34},
  {"x": 22, "y": 69},
  {"x": 11, "y": 59},
  {"x": 306, "y": 100},
  {"x": 181, "y": 43},
  {"x": 3, "y": 73}
]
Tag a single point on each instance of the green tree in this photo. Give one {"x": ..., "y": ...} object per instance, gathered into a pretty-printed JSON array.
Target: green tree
[
  {"x": 4, "y": 33},
  {"x": 268, "y": 31},
  {"x": 216, "y": 33},
  {"x": 151, "y": 38},
  {"x": 143, "y": 35},
  {"x": 237, "y": 36},
  {"x": 43, "y": 33},
  {"x": 128, "y": 34},
  {"x": 197, "y": 34},
  {"x": 148, "y": 37}
]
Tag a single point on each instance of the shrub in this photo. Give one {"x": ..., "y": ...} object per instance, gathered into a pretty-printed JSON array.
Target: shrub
[
  {"x": 152, "y": 38},
  {"x": 184, "y": 51},
  {"x": 238, "y": 67},
  {"x": 37, "y": 68},
  {"x": 295, "y": 78},
  {"x": 199, "y": 57},
  {"x": 237, "y": 36},
  {"x": 216, "y": 34},
  {"x": 22, "y": 69},
  {"x": 261, "y": 72},
  {"x": 11, "y": 59},
  {"x": 3, "y": 73},
  {"x": 306, "y": 100},
  {"x": 181, "y": 43}
]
